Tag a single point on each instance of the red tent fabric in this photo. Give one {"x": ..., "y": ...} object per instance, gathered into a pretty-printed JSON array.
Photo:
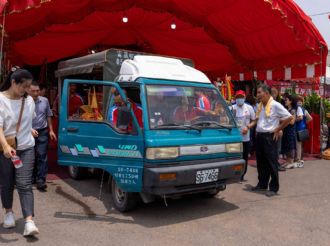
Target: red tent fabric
[{"x": 221, "y": 36}]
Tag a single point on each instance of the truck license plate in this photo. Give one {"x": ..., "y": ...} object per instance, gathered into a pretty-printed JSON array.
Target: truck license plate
[{"x": 205, "y": 176}]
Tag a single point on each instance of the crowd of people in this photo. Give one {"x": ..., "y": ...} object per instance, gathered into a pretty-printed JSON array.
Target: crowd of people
[{"x": 271, "y": 125}]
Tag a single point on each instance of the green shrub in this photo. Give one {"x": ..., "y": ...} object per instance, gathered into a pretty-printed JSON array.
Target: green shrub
[{"x": 313, "y": 105}]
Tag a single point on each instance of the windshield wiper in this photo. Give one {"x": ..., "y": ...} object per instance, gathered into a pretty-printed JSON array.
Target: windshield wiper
[
  {"x": 168, "y": 126},
  {"x": 174, "y": 125},
  {"x": 209, "y": 123}
]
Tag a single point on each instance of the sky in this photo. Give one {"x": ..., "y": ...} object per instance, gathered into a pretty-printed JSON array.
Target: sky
[{"x": 322, "y": 22}]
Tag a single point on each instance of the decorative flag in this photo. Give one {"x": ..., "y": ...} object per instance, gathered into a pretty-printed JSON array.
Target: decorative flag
[
  {"x": 230, "y": 87},
  {"x": 224, "y": 90},
  {"x": 94, "y": 106}
]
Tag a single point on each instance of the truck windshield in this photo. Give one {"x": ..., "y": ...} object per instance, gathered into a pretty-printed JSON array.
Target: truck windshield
[{"x": 186, "y": 107}]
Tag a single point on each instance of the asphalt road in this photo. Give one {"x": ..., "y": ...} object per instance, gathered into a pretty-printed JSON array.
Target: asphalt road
[{"x": 70, "y": 213}]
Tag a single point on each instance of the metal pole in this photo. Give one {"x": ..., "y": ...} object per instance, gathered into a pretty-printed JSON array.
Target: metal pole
[
  {"x": 2, "y": 37},
  {"x": 321, "y": 103}
]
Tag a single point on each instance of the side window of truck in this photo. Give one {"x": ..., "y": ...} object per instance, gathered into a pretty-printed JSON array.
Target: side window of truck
[
  {"x": 116, "y": 103},
  {"x": 86, "y": 102}
]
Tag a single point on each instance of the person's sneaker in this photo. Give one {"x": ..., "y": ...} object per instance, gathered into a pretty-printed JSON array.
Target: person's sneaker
[
  {"x": 9, "y": 221},
  {"x": 42, "y": 186},
  {"x": 30, "y": 229},
  {"x": 300, "y": 164},
  {"x": 296, "y": 165},
  {"x": 258, "y": 188},
  {"x": 271, "y": 193},
  {"x": 290, "y": 166}
]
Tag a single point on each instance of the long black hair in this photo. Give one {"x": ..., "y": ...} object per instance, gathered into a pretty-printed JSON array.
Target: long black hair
[
  {"x": 293, "y": 101},
  {"x": 18, "y": 75}
]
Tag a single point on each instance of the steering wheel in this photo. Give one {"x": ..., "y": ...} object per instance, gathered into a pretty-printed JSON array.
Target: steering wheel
[{"x": 200, "y": 119}]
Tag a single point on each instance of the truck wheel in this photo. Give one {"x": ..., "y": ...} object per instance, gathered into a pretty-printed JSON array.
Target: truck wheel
[
  {"x": 211, "y": 194},
  {"x": 123, "y": 201},
  {"x": 214, "y": 192},
  {"x": 77, "y": 173}
]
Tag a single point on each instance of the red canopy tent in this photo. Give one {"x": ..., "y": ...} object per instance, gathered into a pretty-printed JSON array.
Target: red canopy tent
[{"x": 268, "y": 38}]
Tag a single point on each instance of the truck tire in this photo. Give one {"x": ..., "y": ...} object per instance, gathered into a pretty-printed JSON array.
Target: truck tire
[
  {"x": 77, "y": 173},
  {"x": 123, "y": 201},
  {"x": 211, "y": 194}
]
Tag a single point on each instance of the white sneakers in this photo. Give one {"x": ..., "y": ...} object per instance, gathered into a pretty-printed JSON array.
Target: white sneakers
[
  {"x": 9, "y": 221},
  {"x": 30, "y": 229},
  {"x": 298, "y": 164},
  {"x": 290, "y": 166}
]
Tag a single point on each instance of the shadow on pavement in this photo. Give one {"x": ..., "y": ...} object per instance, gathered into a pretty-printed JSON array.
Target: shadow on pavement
[
  {"x": 181, "y": 210},
  {"x": 155, "y": 214}
]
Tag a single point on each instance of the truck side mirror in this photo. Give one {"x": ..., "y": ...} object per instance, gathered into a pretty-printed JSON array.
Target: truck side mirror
[{"x": 124, "y": 117}]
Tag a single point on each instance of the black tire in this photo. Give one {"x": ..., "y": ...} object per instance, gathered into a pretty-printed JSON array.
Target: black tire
[
  {"x": 123, "y": 201},
  {"x": 77, "y": 173},
  {"x": 211, "y": 193}
]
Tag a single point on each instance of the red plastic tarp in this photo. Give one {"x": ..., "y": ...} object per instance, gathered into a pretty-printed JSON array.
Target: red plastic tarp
[{"x": 221, "y": 36}]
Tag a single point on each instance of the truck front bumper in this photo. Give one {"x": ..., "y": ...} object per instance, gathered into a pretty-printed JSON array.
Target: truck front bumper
[{"x": 230, "y": 171}]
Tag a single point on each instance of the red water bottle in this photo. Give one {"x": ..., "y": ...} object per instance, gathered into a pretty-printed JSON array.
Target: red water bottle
[{"x": 17, "y": 161}]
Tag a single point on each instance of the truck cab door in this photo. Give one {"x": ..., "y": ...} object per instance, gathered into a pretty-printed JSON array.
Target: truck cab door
[{"x": 91, "y": 134}]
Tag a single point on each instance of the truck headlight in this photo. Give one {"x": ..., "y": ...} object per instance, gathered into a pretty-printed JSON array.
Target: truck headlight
[
  {"x": 162, "y": 153},
  {"x": 234, "y": 148}
]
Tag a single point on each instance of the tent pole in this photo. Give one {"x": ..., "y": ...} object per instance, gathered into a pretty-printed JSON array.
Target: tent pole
[
  {"x": 2, "y": 38},
  {"x": 321, "y": 103}
]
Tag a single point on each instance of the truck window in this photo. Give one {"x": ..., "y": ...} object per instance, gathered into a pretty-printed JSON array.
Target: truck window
[
  {"x": 90, "y": 102},
  {"x": 85, "y": 102},
  {"x": 180, "y": 106},
  {"x": 116, "y": 102}
]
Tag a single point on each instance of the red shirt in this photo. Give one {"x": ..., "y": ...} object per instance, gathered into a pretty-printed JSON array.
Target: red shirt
[
  {"x": 203, "y": 103},
  {"x": 75, "y": 102},
  {"x": 180, "y": 116},
  {"x": 113, "y": 115}
]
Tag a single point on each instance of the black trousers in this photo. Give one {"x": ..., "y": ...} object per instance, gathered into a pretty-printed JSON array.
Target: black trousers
[
  {"x": 41, "y": 162},
  {"x": 246, "y": 151},
  {"x": 267, "y": 161}
]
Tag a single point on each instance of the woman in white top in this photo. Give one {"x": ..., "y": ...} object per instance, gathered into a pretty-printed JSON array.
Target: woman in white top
[
  {"x": 302, "y": 119},
  {"x": 13, "y": 99}
]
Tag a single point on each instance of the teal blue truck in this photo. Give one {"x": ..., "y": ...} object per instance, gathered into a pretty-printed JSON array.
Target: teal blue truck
[{"x": 155, "y": 124}]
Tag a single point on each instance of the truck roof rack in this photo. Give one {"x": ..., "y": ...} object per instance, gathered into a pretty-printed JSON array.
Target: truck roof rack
[{"x": 110, "y": 63}]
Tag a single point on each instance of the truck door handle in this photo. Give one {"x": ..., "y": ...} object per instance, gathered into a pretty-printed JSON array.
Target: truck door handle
[{"x": 73, "y": 129}]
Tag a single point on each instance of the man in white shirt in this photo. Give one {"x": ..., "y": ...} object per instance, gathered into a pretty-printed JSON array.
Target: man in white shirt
[
  {"x": 272, "y": 118},
  {"x": 245, "y": 117}
]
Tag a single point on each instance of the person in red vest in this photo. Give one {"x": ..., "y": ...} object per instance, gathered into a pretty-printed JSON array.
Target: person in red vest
[
  {"x": 186, "y": 114},
  {"x": 75, "y": 101},
  {"x": 113, "y": 111},
  {"x": 202, "y": 101}
]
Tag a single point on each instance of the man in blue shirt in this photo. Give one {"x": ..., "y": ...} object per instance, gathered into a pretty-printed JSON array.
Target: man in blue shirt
[{"x": 42, "y": 130}]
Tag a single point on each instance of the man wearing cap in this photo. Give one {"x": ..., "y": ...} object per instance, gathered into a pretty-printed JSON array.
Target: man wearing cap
[
  {"x": 245, "y": 119},
  {"x": 272, "y": 118}
]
